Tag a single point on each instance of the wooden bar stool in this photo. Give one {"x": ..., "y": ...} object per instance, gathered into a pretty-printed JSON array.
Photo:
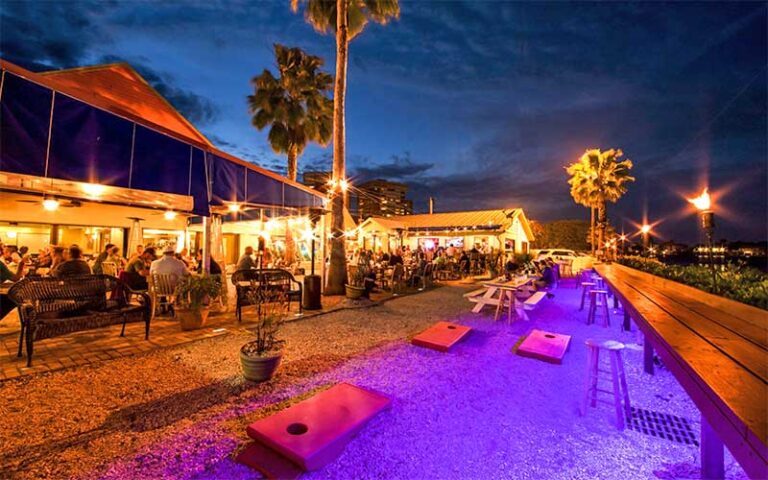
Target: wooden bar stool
[
  {"x": 598, "y": 298},
  {"x": 618, "y": 380},
  {"x": 587, "y": 286}
]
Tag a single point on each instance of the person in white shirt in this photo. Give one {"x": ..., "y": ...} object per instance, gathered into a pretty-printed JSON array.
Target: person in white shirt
[{"x": 169, "y": 264}]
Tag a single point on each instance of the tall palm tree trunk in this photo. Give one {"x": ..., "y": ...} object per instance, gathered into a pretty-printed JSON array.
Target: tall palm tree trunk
[
  {"x": 293, "y": 162},
  {"x": 592, "y": 229},
  {"x": 602, "y": 222},
  {"x": 337, "y": 271}
]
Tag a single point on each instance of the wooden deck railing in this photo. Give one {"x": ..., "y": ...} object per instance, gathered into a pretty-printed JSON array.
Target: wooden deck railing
[{"x": 717, "y": 349}]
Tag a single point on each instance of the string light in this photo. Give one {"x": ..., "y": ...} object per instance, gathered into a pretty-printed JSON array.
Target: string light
[{"x": 169, "y": 215}]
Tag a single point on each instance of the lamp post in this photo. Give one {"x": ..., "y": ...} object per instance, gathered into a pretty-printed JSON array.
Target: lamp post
[
  {"x": 703, "y": 204},
  {"x": 646, "y": 231}
]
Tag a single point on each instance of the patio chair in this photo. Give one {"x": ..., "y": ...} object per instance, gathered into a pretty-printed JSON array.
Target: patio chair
[
  {"x": 109, "y": 268},
  {"x": 397, "y": 279},
  {"x": 162, "y": 291}
]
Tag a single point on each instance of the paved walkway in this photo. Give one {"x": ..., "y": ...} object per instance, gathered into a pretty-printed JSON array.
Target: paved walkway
[{"x": 91, "y": 346}]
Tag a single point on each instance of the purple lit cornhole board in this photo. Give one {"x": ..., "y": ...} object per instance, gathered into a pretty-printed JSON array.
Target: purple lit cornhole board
[
  {"x": 441, "y": 336},
  {"x": 547, "y": 346},
  {"x": 314, "y": 432}
]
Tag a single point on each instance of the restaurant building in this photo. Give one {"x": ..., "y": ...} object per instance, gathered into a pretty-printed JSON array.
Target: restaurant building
[
  {"x": 507, "y": 230},
  {"x": 95, "y": 155}
]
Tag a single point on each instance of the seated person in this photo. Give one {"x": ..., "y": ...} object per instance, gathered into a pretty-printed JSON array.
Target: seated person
[
  {"x": 73, "y": 265},
  {"x": 246, "y": 261},
  {"x": 215, "y": 267},
  {"x": 103, "y": 256},
  {"x": 396, "y": 258},
  {"x": 547, "y": 277},
  {"x": 137, "y": 270},
  {"x": 510, "y": 268},
  {"x": 6, "y": 305},
  {"x": 168, "y": 264}
]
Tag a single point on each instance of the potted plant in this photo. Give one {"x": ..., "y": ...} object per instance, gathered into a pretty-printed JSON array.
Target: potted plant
[
  {"x": 261, "y": 356},
  {"x": 193, "y": 297}
]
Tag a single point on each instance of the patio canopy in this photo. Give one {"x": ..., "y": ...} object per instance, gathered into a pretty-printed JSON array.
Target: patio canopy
[{"x": 57, "y": 128}]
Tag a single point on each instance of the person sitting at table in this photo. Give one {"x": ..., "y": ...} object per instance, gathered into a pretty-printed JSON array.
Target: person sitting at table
[
  {"x": 102, "y": 258},
  {"x": 464, "y": 262},
  {"x": 116, "y": 258},
  {"x": 137, "y": 253},
  {"x": 215, "y": 267},
  {"x": 547, "y": 277},
  {"x": 137, "y": 270},
  {"x": 396, "y": 258},
  {"x": 246, "y": 261},
  {"x": 510, "y": 268},
  {"x": 6, "y": 275},
  {"x": 73, "y": 265},
  {"x": 168, "y": 264},
  {"x": 10, "y": 254}
]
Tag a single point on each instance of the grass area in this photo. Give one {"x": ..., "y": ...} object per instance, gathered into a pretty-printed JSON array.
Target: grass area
[{"x": 734, "y": 280}]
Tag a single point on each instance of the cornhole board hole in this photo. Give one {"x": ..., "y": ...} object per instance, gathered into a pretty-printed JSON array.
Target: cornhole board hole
[
  {"x": 547, "y": 346},
  {"x": 441, "y": 336},
  {"x": 313, "y": 432}
]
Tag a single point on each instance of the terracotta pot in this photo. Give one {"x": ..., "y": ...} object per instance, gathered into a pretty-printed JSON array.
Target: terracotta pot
[
  {"x": 353, "y": 292},
  {"x": 259, "y": 369},
  {"x": 192, "y": 319}
]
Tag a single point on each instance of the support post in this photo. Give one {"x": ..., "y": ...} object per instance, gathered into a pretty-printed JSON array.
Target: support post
[
  {"x": 206, "y": 245},
  {"x": 626, "y": 326},
  {"x": 323, "y": 248},
  {"x": 712, "y": 460},
  {"x": 647, "y": 355}
]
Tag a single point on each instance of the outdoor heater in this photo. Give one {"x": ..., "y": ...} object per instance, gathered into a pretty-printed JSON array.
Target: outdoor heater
[{"x": 312, "y": 282}]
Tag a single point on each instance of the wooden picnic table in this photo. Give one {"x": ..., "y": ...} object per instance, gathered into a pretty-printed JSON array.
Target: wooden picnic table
[
  {"x": 491, "y": 292},
  {"x": 717, "y": 349}
]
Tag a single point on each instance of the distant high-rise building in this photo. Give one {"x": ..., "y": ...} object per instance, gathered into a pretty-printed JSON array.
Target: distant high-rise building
[{"x": 381, "y": 198}]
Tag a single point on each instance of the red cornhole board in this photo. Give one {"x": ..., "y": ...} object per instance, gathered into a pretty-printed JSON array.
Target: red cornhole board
[
  {"x": 314, "y": 432},
  {"x": 268, "y": 462},
  {"x": 546, "y": 346},
  {"x": 441, "y": 336}
]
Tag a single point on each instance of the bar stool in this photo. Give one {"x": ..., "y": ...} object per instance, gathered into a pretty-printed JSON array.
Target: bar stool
[
  {"x": 598, "y": 298},
  {"x": 619, "y": 382},
  {"x": 586, "y": 287}
]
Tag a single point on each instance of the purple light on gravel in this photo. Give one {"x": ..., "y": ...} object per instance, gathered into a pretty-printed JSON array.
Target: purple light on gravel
[{"x": 477, "y": 412}]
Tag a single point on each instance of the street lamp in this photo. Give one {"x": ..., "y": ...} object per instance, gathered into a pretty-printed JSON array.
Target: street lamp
[
  {"x": 703, "y": 204},
  {"x": 646, "y": 230}
]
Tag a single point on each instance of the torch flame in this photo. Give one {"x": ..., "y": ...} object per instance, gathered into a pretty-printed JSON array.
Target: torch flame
[{"x": 702, "y": 202}]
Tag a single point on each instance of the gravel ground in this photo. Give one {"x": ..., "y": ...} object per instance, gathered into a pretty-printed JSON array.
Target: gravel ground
[{"x": 477, "y": 412}]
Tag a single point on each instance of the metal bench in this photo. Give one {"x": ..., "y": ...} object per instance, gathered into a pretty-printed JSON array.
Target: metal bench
[
  {"x": 51, "y": 307},
  {"x": 247, "y": 282}
]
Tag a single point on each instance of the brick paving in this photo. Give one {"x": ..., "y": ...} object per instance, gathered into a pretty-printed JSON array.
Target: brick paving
[{"x": 91, "y": 346}]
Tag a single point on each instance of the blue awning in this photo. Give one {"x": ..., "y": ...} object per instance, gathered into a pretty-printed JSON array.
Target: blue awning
[{"x": 50, "y": 134}]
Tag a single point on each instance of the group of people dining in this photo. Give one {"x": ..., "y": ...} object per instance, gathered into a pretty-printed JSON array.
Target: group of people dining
[{"x": 60, "y": 261}]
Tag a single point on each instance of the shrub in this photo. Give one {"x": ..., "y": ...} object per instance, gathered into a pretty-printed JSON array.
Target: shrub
[{"x": 734, "y": 280}]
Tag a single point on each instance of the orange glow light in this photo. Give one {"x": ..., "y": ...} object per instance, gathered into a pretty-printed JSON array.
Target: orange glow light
[
  {"x": 645, "y": 228},
  {"x": 702, "y": 202}
]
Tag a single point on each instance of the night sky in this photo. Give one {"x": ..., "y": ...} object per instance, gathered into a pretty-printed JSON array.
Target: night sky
[{"x": 479, "y": 104}]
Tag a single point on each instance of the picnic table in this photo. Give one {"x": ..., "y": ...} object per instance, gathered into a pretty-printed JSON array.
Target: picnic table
[
  {"x": 717, "y": 349},
  {"x": 491, "y": 293}
]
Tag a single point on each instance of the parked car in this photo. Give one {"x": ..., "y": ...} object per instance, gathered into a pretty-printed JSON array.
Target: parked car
[{"x": 579, "y": 261}]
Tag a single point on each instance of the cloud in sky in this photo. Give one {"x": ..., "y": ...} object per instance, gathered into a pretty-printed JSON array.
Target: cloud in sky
[{"x": 479, "y": 104}]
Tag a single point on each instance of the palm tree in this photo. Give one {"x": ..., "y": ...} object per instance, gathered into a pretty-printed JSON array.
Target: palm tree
[
  {"x": 599, "y": 177},
  {"x": 294, "y": 105},
  {"x": 347, "y": 19},
  {"x": 296, "y": 108}
]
